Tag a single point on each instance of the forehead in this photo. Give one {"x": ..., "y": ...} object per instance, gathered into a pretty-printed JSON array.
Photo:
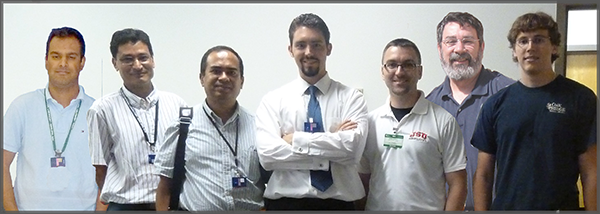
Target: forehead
[
  {"x": 306, "y": 34},
  {"x": 537, "y": 32},
  {"x": 221, "y": 58},
  {"x": 398, "y": 53},
  {"x": 130, "y": 48},
  {"x": 60, "y": 43},
  {"x": 453, "y": 28}
]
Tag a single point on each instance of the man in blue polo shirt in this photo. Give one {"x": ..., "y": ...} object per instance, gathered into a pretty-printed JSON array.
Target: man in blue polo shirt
[{"x": 468, "y": 83}]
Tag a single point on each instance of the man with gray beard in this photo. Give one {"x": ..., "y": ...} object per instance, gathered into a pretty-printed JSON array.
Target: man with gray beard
[{"x": 467, "y": 84}]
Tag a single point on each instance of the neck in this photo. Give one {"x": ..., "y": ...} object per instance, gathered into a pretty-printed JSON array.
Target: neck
[
  {"x": 534, "y": 80},
  {"x": 223, "y": 109},
  {"x": 64, "y": 95},
  {"x": 141, "y": 90},
  {"x": 405, "y": 101},
  {"x": 462, "y": 88},
  {"x": 314, "y": 79}
]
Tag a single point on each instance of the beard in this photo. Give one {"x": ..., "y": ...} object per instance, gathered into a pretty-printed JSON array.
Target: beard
[
  {"x": 310, "y": 71},
  {"x": 460, "y": 72}
]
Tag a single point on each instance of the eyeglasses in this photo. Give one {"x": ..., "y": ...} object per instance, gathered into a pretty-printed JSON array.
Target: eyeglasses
[
  {"x": 392, "y": 67},
  {"x": 523, "y": 42},
  {"x": 129, "y": 60},
  {"x": 467, "y": 42}
]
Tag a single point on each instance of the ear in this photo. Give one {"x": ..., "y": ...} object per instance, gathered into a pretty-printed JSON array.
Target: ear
[
  {"x": 201, "y": 80},
  {"x": 47, "y": 65},
  {"x": 481, "y": 51},
  {"x": 82, "y": 63},
  {"x": 290, "y": 50},
  {"x": 329, "y": 47},
  {"x": 420, "y": 71},
  {"x": 114, "y": 62},
  {"x": 382, "y": 73},
  {"x": 242, "y": 84}
]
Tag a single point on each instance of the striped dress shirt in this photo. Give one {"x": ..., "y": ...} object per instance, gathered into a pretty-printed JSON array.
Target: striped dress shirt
[
  {"x": 117, "y": 141},
  {"x": 210, "y": 164}
]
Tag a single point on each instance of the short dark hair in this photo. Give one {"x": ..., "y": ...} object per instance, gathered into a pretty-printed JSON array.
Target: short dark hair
[
  {"x": 129, "y": 35},
  {"x": 217, "y": 49},
  {"x": 531, "y": 22},
  {"x": 405, "y": 43},
  {"x": 463, "y": 19},
  {"x": 64, "y": 32},
  {"x": 309, "y": 20}
]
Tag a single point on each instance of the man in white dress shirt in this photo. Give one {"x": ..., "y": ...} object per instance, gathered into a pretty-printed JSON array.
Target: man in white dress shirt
[
  {"x": 126, "y": 127},
  {"x": 414, "y": 147},
  {"x": 313, "y": 153}
]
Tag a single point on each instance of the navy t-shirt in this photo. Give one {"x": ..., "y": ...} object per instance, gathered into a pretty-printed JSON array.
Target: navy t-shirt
[{"x": 536, "y": 135}]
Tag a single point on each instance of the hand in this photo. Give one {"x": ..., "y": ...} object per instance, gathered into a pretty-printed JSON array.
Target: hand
[
  {"x": 347, "y": 125},
  {"x": 288, "y": 138}
]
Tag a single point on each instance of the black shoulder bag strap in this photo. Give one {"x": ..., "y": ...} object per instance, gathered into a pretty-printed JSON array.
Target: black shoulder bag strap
[{"x": 185, "y": 118}]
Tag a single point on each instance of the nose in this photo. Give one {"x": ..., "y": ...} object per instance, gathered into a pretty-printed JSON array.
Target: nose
[
  {"x": 137, "y": 64},
  {"x": 63, "y": 62},
  {"x": 308, "y": 50},
  {"x": 459, "y": 47}
]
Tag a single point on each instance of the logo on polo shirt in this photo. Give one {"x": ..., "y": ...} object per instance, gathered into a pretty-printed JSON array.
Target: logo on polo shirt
[
  {"x": 417, "y": 135},
  {"x": 556, "y": 108}
]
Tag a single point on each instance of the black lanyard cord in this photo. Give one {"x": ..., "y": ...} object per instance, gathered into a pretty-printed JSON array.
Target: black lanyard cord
[
  {"x": 139, "y": 123},
  {"x": 237, "y": 126}
]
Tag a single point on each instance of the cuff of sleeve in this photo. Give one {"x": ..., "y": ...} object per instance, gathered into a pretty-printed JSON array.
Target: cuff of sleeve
[{"x": 301, "y": 142}]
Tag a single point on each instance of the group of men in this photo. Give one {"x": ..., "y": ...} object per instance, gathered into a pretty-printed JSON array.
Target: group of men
[{"x": 478, "y": 141}]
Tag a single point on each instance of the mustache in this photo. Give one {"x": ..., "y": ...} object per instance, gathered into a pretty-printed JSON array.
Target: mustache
[
  {"x": 309, "y": 58},
  {"x": 455, "y": 56}
]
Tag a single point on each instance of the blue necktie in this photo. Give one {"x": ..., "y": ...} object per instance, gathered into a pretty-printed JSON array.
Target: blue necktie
[{"x": 320, "y": 179}]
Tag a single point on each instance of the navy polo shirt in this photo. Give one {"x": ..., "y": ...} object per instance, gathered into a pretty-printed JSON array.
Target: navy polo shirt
[{"x": 488, "y": 83}]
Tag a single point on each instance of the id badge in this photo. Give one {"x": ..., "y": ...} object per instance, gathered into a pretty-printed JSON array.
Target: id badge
[
  {"x": 311, "y": 127},
  {"x": 151, "y": 158},
  {"x": 238, "y": 182},
  {"x": 57, "y": 162},
  {"x": 393, "y": 141}
]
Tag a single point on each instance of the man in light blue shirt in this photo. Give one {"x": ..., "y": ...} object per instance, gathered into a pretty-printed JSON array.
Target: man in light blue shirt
[{"x": 48, "y": 129}]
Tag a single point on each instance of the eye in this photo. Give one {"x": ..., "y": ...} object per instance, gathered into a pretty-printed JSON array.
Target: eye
[
  {"x": 538, "y": 40},
  {"x": 408, "y": 65},
  {"x": 300, "y": 45},
  {"x": 232, "y": 73},
  {"x": 126, "y": 60},
  {"x": 392, "y": 65},
  {"x": 523, "y": 41},
  {"x": 450, "y": 42},
  {"x": 143, "y": 58},
  {"x": 468, "y": 41}
]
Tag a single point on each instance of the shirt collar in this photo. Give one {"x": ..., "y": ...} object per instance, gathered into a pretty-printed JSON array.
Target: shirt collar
[
  {"x": 420, "y": 106},
  {"x": 80, "y": 95},
  {"x": 137, "y": 102},
  {"x": 215, "y": 117},
  {"x": 323, "y": 85},
  {"x": 480, "y": 85}
]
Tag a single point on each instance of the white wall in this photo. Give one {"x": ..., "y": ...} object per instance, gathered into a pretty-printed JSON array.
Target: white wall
[{"x": 181, "y": 33}]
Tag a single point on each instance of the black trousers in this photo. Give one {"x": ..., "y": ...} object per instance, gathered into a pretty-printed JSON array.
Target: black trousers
[
  {"x": 307, "y": 204},
  {"x": 117, "y": 207}
]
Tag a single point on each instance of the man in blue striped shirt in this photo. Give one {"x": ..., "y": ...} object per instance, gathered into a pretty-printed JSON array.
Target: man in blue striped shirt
[{"x": 221, "y": 162}]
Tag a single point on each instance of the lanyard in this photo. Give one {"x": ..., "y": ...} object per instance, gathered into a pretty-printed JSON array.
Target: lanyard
[
  {"x": 237, "y": 126},
  {"x": 51, "y": 126},
  {"x": 139, "y": 123}
]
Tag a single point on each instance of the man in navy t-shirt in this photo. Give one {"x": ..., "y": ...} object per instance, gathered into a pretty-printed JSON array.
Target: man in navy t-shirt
[{"x": 540, "y": 133}]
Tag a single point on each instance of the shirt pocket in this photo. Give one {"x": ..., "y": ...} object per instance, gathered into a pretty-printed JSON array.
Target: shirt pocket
[{"x": 251, "y": 164}]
